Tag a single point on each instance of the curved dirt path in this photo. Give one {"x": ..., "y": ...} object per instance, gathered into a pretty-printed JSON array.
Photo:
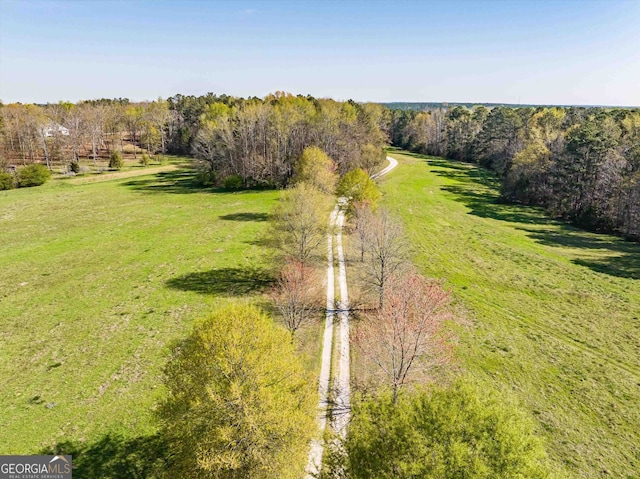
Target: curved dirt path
[
  {"x": 392, "y": 164},
  {"x": 341, "y": 410}
]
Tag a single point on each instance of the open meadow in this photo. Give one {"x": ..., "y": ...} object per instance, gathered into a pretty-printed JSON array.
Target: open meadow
[
  {"x": 98, "y": 280},
  {"x": 554, "y": 312}
]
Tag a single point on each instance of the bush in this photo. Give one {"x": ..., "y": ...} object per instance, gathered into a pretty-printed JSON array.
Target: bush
[
  {"x": 75, "y": 167},
  {"x": 144, "y": 160},
  {"x": 240, "y": 403},
  {"x": 33, "y": 175},
  {"x": 452, "y": 432},
  {"x": 6, "y": 181},
  {"x": 206, "y": 177},
  {"x": 115, "y": 160},
  {"x": 233, "y": 182}
]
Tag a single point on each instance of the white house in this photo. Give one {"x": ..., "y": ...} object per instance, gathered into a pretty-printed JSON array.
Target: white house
[{"x": 55, "y": 128}]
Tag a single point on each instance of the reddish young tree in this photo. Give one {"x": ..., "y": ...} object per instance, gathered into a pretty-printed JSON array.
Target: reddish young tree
[
  {"x": 403, "y": 339},
  {"x": 295, "y": 295}
]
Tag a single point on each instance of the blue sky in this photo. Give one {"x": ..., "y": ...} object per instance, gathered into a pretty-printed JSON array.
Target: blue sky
[{"x": 573, "y": 52}]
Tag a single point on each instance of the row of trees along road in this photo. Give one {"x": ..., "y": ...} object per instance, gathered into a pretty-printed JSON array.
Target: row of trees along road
[{"x": 581, "y": 164}]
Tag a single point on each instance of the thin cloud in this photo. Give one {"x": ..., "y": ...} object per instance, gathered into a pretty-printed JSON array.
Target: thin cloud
[{"x": 249, "y": 11}]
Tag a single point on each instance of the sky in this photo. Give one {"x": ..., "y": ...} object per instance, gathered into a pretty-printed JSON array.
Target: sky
[{"x": 535, "y": 52}]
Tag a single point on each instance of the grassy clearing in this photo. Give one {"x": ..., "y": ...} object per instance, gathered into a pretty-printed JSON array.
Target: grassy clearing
[
  {"x": 117, "y": 175},
  {"x": 555, "y": 310},
  {"x": 97, "y": 282}
]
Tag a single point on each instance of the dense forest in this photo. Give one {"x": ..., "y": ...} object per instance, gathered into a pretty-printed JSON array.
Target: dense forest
[
  {"x": 581, "y": 164},
  {"x": 256, "y": 139}
]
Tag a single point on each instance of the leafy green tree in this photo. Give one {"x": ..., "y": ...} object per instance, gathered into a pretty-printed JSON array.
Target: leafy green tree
[
  {"x": 115, "y": 160},
  {"x": 6, "y": 181},
  {"x": 371, "y": 158},
  {"x": 300, "y": 222},
  {"x": 240, "y": 403},
  {"x": 32, "y": 175},
  {"x": 358, "y": 187},
  {"x": 233, "y": 182},
  {"x": 457, "y": 432},
  {"x": 528, "y": 179},
  {"x": 501, "y": 138},
  {"x": 314, "y": 167}
]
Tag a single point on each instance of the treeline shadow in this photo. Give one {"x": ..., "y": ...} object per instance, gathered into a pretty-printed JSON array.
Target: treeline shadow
[
  {"x": 626, "y": 266},
  {"x": 478, "y": 190},
  {"x": 620, "y": 258},
  {"x": 246, "y": 216},
  {"x": 115, "y": 457},
  {"x": 180, "y": 181},
  {"x": 225, "y": 281}
]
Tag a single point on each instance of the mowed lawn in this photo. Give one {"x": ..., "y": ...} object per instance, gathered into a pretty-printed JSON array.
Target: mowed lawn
[
  {"x": 97, "y": 282},
  {"x": 554, "y": 312}
]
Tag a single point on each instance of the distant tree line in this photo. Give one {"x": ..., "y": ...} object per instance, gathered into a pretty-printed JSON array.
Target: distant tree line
[
  {"x": 257, "y": 140},
  {"x": 581, "y": 164}
]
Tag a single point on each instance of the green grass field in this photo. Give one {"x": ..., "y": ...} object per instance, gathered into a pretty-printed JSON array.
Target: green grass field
[
  {"x": 97, "y": 281},
  {"x": 554, "y": 311}
]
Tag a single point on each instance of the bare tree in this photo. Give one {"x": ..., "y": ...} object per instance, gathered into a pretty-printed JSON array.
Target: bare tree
[
  {"x": 385, "y": 251},
  {"x": 295, "y": 295},
  {"x": 159, "y": 115},
  {"x": 73, "y": 119},
  {"x": 403, "y": 340},
  {"x": 363, "y": 215},
  {"x": 300, "y": 222},
  {"x": 95, "y": 121},
  {"x": 133, "y": 119}
]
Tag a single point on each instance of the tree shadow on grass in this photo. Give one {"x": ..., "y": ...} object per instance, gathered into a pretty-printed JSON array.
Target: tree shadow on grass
[
  {"x": 625, "y": 266},
  {"x": 478, "y": 189},
  {"x": 225, "y": 281},
  {"x": 488, "y": 204},
  {"x": 620, "y": 258},
  {"x": 246, "y": 216},
  {"x": 180, "y": 181},
  {"x": 116, "y": 457}
]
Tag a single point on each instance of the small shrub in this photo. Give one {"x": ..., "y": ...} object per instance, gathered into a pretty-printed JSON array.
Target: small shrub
[
  {"x": 206, "y": 177},
  {"x": 233, "y": 182},
  {"x": 33, "y": 175},
  {"x": 115, "y": 160},
  {"x": 6, "y": 181},
  {"x": 144, "y": 160},
  {"x": 75, "y": 167}
]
